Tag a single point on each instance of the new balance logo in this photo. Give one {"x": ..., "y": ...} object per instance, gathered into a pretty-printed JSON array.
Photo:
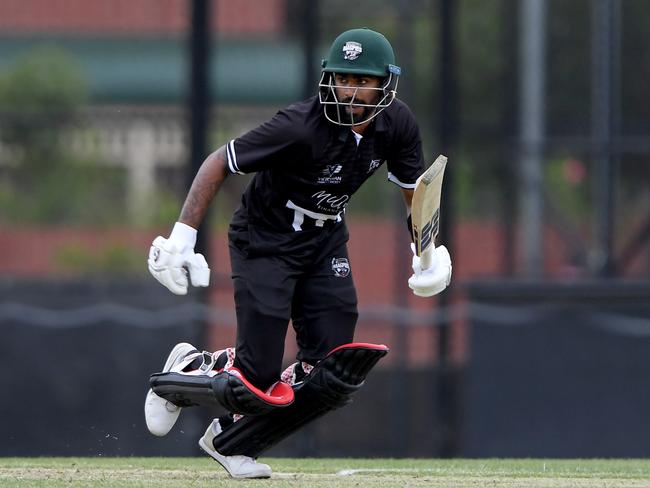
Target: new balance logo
[{"x": 374, "y": 164}]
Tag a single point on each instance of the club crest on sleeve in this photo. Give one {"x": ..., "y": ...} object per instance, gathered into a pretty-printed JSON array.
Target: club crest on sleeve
[
  {"x": 341, "y": 267},
  {"x": 352, "y": 50}
]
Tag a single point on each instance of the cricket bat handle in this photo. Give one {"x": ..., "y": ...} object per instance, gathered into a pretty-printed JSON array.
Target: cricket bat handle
[{"x": 427, "y": 258}]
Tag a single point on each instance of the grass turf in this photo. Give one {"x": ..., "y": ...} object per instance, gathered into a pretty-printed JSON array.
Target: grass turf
[{"x": 337, "y": 473}]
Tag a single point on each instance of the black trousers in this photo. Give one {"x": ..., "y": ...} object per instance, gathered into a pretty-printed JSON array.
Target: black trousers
[{"x": 313, "y": 288}]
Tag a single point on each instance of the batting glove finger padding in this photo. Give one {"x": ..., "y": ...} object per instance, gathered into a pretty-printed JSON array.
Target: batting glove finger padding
[
  {"x": 166, "y": 265},
  {"x": 434, "y": 279},
  {"x": 170, "y": 260},
  {"x": 199, "y": 270}
]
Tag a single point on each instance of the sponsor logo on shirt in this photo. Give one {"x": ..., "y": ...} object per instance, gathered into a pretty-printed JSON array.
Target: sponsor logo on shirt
[
  {"x": 341, "y": 267},
  {"x": 328, "y": 175},
  {"x": 328, "y": 202}
]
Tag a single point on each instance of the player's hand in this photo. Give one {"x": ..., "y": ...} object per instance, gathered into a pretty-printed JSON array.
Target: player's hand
[
  {"x": 434, "y": 279},
  {"x": 171, "y": 259}
]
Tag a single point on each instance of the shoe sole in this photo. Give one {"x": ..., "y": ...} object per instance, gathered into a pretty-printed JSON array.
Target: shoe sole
[{"x": 209, "y": 452}]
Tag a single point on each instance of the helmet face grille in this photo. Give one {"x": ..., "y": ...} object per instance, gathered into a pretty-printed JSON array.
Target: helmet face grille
[
  {"x": 358, "y": 52},
  {"x": 340, "y": 111}
]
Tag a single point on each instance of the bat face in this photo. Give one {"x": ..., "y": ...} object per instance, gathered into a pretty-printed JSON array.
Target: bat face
[{"x": 425, "y": 208}]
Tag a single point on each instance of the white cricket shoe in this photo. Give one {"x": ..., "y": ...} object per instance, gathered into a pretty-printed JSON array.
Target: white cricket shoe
[
  {"x": 237, "y": 466},
  {"x": 160, "y": 414}
]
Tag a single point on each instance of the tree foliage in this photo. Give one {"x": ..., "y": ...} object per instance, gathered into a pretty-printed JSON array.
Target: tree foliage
[{"x": 41, "y": 180}]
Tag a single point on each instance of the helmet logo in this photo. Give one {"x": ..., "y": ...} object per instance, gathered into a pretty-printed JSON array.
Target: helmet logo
[{"x": 352, "y": 50}]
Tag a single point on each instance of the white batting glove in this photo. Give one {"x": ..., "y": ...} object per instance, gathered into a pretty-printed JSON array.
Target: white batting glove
[
  {"x": 434, "y": 279},
  {"x": 171, "y": 259}
]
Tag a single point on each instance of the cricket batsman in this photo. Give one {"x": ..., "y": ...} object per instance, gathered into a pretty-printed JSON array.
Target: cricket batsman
[{"x": 289, "y": 258}]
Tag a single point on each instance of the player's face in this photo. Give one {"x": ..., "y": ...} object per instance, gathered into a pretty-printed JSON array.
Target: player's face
[{"x": 358, "y": 90}]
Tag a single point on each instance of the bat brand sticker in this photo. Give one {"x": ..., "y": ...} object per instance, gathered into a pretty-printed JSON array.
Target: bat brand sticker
[
  {"x": 430, "y": 230},
  {"x": 341, "y": 267}
]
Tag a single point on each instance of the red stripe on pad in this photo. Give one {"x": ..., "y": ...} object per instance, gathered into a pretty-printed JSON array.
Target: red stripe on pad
[
  {"x": 281, "y": 393},
  {"x": 361, "y": 345}
]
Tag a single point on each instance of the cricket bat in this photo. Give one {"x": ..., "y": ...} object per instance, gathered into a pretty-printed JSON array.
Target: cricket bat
[{"x": 425, "y": 210}]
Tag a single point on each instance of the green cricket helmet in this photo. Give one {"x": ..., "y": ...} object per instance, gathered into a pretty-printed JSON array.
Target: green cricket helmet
[{"x": 358, "y": 52}]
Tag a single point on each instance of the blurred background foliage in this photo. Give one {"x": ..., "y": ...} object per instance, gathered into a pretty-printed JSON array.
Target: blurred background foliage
[
  {"x": 41, "y": 97},
  {"x": 60, "y": 90}
]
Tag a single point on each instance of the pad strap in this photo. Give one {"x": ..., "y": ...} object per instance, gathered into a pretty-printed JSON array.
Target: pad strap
[{"x": 330, "y": 385}]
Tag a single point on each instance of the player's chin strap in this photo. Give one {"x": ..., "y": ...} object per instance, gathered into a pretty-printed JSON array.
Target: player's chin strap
[
  {"x": 213, "y": 384},
  {"x": 330, "y": 384}
]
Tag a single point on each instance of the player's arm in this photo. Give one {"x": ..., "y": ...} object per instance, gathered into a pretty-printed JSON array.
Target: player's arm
[
  {"x": 407, "y": 194},
  {"x": 205, "y": 186},
  {"x": 172, "y": 259}
]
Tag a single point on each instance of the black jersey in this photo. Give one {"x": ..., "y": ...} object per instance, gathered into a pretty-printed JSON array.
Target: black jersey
[{"x": 307, "y": 168}]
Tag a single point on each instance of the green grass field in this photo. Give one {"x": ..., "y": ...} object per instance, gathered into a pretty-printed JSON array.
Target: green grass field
[{"x": 339, "y": 473}]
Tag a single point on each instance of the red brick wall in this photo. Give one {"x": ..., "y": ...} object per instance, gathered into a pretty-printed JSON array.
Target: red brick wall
[
  {"x": 375, "y": 257},
  {"x": 380, "y": 265},
  {"x": 137, "y": 16}
]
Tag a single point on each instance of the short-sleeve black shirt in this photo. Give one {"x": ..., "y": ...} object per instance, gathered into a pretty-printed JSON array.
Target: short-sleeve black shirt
[{"x": 307, "y": 168}]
